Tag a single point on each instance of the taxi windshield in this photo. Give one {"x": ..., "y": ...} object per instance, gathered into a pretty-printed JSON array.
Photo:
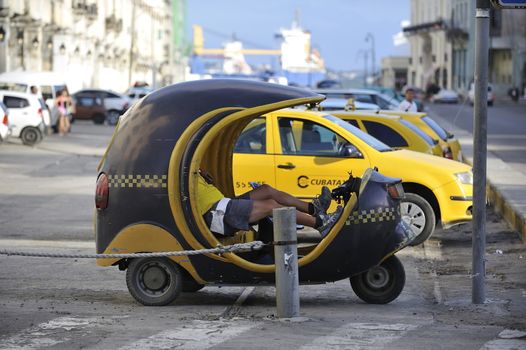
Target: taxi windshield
[{"x": 368, "y": 139}]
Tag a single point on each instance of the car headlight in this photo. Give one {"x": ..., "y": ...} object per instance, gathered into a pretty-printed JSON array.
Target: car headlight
[{"x": 465, "y": 178}]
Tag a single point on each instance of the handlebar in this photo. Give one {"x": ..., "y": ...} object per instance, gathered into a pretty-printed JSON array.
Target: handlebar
[{"x": 344, "y": 191}]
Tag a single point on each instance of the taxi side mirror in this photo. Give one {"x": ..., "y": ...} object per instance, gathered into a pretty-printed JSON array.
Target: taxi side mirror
[{"x": 350, "y": 151}]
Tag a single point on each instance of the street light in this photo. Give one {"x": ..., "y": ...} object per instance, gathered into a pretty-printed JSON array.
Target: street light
[
  {"x": 20, "y": 37},
  {"x": 35, "y": 42},
  {"x": 49, "y": 44},
  {"x": 2, "y": 34},
  {"x": 62, "y": 48},
  {"x": 370, "y": 37}
]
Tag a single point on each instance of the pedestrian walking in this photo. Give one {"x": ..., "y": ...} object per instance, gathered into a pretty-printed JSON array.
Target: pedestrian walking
[{"x": 62, "y": 105}]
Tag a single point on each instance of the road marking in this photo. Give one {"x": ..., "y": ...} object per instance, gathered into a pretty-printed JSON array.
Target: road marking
[
  {"x": 506, "y": 340},
  {"x": 196, "y": 335},
  {"x": 51, "y": 333},
  {"x": 46, "y": 243},
  {"x": 360, "y": 335}
]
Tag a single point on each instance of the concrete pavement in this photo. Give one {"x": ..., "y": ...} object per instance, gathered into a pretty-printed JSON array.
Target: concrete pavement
[{"x": 506, "y": 186}]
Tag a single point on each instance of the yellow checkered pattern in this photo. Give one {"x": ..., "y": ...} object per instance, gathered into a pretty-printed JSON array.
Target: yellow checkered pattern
[
  {"x": 138, "y": 181},
  {"x": 371, "y": 216}
]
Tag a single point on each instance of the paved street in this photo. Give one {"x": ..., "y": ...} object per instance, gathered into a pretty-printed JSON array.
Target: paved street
[
  {"x": 47, "y": 199},
  {"x": 506, "y": 128}
]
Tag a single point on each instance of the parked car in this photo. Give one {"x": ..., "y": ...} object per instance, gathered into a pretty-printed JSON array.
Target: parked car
[
  {"x": 136, "y": 93},
  {"x": 48, "y": 84},
  {"x": 451, "y": 148},
  {"x": 26, "y": 118},
  {"x": 392, "y": 130},
  {"x": 445, "y": 96},
  {"x": 336, "y": 104},
  {"x": 362, "y": 96},
  {"x": 471, "y": 94},
  {"x": 306, "y": 150},
  {"x": 115, "y": 103},
  {"x": 4, "y": 122},
  {"x": 329, "y": 84},
  {"x": 89, "y": 106}
]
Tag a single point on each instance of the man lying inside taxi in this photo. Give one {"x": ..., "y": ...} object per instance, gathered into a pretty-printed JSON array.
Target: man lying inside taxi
[{"x": 226, "y": 216}]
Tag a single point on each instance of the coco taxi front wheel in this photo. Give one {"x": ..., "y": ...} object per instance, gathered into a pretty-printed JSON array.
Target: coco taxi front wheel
[
  {"x": 154, "y": 281},
  {"x": 380, "y": 284}
]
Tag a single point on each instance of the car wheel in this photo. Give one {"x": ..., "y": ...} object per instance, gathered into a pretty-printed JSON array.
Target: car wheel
[
  {"x": 99, "y": 118},
  {"x": 154, "y": 281},
  {"x": 112, "y": 117},
  {"x": 31, "y": 136},
  {"x": 380, "y": 284},
  {"x": 419, "y": 215}
]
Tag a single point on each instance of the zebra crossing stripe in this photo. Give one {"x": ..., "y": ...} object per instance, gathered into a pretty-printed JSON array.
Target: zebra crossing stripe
[
  {"x": 196, "y": 335},
  {"x": 360, "y": 336},
  {"x": 49, "y": 333}
]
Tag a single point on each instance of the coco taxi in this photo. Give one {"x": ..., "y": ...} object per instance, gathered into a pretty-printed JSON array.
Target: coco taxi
[{"x": 300, "y": 151}]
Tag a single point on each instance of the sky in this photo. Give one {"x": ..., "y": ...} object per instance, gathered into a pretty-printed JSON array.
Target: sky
[{"x": 338, "y": 27}]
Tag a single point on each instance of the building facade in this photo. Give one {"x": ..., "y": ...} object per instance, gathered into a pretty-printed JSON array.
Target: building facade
[
  {"x": 394, "y": 72},
  {"x": 93, "y": 43},
  {"x": 430, "y": 60}
]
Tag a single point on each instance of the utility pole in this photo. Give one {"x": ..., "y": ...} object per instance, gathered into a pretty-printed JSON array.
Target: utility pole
[
  {"x": 132, "y": 42},
  {"x": 480, "y": 127},
  {"x": 370, "y": 37}
]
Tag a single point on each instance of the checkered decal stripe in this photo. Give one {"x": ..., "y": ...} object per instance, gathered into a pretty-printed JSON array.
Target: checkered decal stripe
[
  {"x": 137, "y": 181},
  {"x": 371, "y": 216}
]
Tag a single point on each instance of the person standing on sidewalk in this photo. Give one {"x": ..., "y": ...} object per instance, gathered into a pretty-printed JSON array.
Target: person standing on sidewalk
[
  {"x": 62, "y": 106},
  {"x": 408, "y": 105}
]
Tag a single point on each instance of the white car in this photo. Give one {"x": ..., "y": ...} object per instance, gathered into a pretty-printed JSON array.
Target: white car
[
  {"x": 334, "y": 104},
  {"x": 445, "y": 96},
  {"x": 136, "y": 93},
  {"x": 26, "y": 116},
  {"x": 365, "y": 96},
  {"x": 115, "y": 103},
  {"x": 4, "y": 122},
  {"x": 471, "y": 94}
]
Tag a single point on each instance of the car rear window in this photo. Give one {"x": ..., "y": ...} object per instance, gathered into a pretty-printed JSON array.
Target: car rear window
[
  {"x": 418, "y": 131},
  {"x": 15, "y": 102},
  {"x": 385, "y": 134},
  {"x": 436, "y": 128},
  {"x": 13, "y": 86}
]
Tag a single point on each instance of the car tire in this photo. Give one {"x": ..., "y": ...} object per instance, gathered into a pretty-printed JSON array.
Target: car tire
[
  {"x": 99, "y": 118},
  {"x": 154, "y": 281},
  {"x": 31, "y": 136},
  {"x": 419, "y": 215},
  {"x": 112, "y": 117},
  {"x": 380, "y": 284}
]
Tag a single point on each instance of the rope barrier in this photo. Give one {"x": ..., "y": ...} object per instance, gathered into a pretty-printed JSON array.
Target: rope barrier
[{"x": 239, "y": 247}]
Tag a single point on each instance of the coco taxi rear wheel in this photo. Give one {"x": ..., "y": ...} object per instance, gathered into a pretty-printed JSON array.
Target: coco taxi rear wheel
[
  {"x": 380, "y": 284},
  {"x": 154, "y": 281}
]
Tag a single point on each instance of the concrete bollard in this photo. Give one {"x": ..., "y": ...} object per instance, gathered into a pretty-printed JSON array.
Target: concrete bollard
[{"x": 286, "y": 256}]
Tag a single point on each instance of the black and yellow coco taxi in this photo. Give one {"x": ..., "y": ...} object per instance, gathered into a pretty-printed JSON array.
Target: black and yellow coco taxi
[{"x": 147, "y": 199}]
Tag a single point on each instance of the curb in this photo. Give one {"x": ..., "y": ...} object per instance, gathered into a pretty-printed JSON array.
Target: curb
[{"x": 500, "y": 181}]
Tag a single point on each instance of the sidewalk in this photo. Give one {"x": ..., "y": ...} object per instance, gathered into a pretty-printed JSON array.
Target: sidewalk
[{"x": 506, "y": 187}]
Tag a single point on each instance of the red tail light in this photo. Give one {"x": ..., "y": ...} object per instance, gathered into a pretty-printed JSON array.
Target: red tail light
[
  {"x": 102, "y": 192},
  {"x": 5, "y": 121},
  {"x": 396, "y": 191},
  {"x": 40, "y": 113},
  {"x": 447, "y": 153}
]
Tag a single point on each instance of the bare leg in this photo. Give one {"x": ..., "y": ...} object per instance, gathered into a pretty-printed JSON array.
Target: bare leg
[
  {"x": 263, "y": 208},
  {"x": 265, "y": 192}
]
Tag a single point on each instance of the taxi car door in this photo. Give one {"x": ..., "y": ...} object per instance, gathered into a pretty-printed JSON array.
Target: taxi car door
[
  {"x": 254, "y": 156},
  {"x": 308, "y": 156}
]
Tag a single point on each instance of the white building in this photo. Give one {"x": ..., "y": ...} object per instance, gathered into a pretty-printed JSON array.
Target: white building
[
  {"x": 93, "y": 43},
  {"x": 430, "y": 60}
]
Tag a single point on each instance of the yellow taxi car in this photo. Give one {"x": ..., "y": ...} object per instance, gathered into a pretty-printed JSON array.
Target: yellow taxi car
[
  {"x": 450, "y": 145},
  {"x": 301, "y": 151},
  {"x": 392, "y": 130}
]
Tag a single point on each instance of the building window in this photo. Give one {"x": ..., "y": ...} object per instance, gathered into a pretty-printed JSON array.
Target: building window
[
  {"x": 420, "y": 59},
  {"x": 445, "y": 57},
  {"x": 410, "y": 60},
  {"x": 434, "y": 58}
]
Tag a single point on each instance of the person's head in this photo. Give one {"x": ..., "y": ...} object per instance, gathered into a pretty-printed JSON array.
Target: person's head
[
  {"x": 34, "y": 89},
  {"x": 409, "y": 94}
]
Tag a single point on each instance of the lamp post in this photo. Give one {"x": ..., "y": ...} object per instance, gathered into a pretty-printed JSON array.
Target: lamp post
[
  {"x": 370, "y": 37},
  {"x": 2, "y": 34}
]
